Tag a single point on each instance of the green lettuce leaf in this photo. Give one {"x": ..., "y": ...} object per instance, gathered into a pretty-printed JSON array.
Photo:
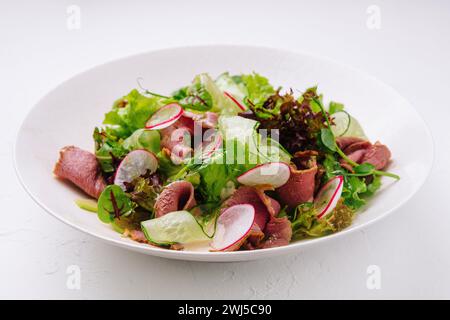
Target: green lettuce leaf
[
  {"x": 113, "y": 203},
  {"x": 243, "y": 148},
  {"x": 306, "y": 225},
  {"x": 244, "y": 145},
  {"x": 131, "y": 112},
  {"x": 356, "y": 189},
  {"x": 108, "y": 150},
  {"x": 213, "y": 179},
  {"x": 143, "y": 139},
  {"x": 144, "y": 192},
  {"x": 166, "y": 166},
  {"x": 258, "y": 88}
]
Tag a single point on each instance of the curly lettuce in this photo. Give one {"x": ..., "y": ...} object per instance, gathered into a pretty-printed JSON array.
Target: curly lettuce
[
  {"x": 131, "y": 112},
  {"x": 306, "y": 225},
  {"x": 143, "y": 139},
  {"x": 356, "y": 189},
  {"x": 258, "y": 88}
]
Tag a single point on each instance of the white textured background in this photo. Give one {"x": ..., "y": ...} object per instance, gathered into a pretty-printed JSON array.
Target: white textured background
[{"x": 410, "y": 52}]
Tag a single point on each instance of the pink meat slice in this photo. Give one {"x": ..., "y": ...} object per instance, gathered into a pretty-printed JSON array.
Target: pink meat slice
[
  {"x": 82, "y": 169},
  {"x": 172, "y": 137},
  {"x": 252, "y": 196},
  {"x": 362, "y": 145},
  {"x": 362, "y": 151},
  {"x": 138, "y": 235},
  {"x": 206, "y": 120},
  {"x": 179, "y": 195},
  {"x": 174, "y": 134},
  {"x": 299, "y": 188},
  {"x": 251, "y": 241},
  {"x": 344, "y": 142},
  {"x": 255, "y": 238},
  {"x": 357, "y": 155},
  {"x": 377, "y": 155},
  {"x": 268, "y": 230},
  {"x": 278, "y": 232},
  {"x": 249, "y": 195}
]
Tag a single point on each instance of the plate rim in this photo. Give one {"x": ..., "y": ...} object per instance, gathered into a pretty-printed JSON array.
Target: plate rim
[{"x": 235, "y": 255}]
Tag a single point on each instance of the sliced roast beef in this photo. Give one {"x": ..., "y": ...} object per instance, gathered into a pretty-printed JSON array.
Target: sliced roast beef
[
  {"x": 252, "y": 196},
  {"x": 178, "y": 137},
  {"x": 377, "y": 155},
  {"x": 268, "y": 230},
  {"x": 172, "y": 136},
  {"x": 251, "y": 241},
  {"x": 178, "y": 134},
  {"x": 179, "y": 195},
  {"x": 254, "y": 239},
  {"x": 361, "y": 151},
  {"x": 184, "y": 122},
  {"x": 361, "y": 145},
  {"x": 138, "y": 235},
  {"x": 344, "y": 142},
  {"x": 249, "y": 195},
  {"x": 180, "y": 153},
  {"x": 356, "y": 155},
  {"x": 82, "y": 169},
  {"x": 300, "y": 186},
  {"x": 206, "y": 120},
  {"x": 278, "y": 232}
]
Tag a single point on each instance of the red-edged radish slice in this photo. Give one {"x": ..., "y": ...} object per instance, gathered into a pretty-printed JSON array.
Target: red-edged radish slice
[
  {"x": 328, "y": 197},
  {"x": 165, "y": 117},
  {"x": 229, "y": 95},
  {"x": 274, "y": 174},
  {"x": 208, "y": 148},
  {"x": 232, "y": 226},
  {"x": 135, "y": 164}
]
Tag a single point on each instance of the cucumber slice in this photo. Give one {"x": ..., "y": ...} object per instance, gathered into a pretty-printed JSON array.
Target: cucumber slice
[
  {"x": 87, "y": 204},
  {"x": 346, "y": 126},
  {"x": 174, "y": 227}
]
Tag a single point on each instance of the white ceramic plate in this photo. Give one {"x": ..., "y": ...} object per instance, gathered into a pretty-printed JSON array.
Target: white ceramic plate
[{"x": 68, "y": 114}]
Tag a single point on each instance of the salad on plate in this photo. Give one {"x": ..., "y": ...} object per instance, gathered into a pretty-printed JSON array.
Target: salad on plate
[{"x": 226, "y": 164}]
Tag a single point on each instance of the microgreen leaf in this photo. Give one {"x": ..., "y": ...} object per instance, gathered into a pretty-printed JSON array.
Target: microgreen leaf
[
  {"x": 197, "y": 98},
  {"x": 113, "y": 203},
  {"x": 364, "y": 168},
  {"x": 327, "y": 138}
]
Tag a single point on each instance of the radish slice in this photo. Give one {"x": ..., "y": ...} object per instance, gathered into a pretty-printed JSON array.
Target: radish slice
[
  {"x": 165, "y": 117},
  {"x": 328, "y": 197},
  {"x": 232, "y": 226},
  {"x": 274, "y": 174},
  {"x": 134, "y": 165},
  {"x": 229, "y": 95},
  {"x": 208, "y": 148}
]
